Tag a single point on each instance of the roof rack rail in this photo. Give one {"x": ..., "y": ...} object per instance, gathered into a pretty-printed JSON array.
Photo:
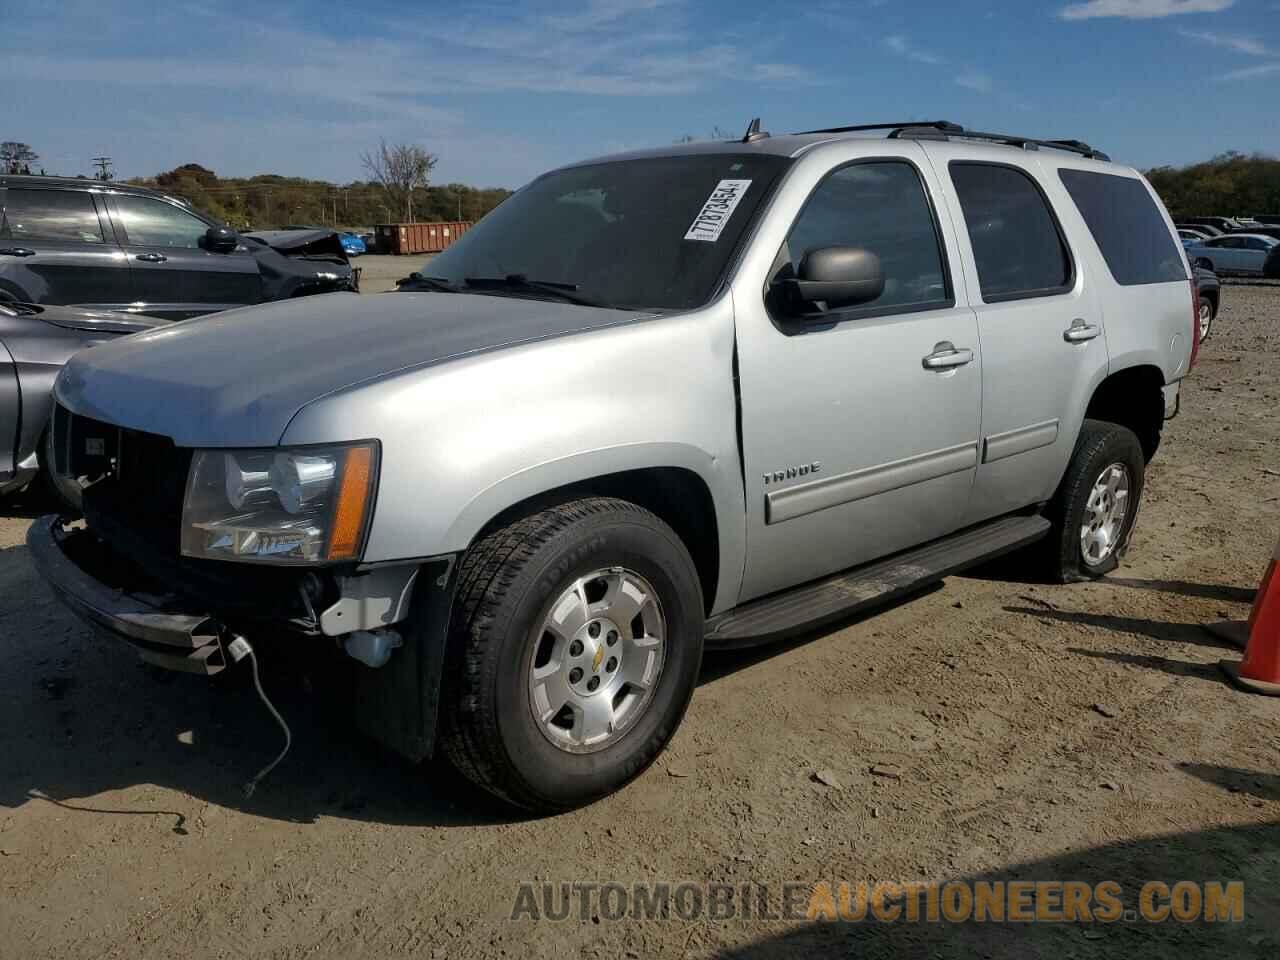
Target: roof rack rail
[
  {"x": 945, "y": 130},
  {"x": 940, "y": 125}
]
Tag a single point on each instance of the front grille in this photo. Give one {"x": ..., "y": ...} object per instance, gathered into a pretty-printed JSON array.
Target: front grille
[{"x": 137, "y": 480}]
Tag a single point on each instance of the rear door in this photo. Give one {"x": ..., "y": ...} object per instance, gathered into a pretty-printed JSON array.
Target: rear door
[
  {"x": 55, "y": 247},
  {"x": 172, "y": 275},
  {"x": 1040, "y": 325}
]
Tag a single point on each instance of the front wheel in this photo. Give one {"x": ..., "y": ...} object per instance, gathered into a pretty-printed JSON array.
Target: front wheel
[
  {"x": 574, "y": 649},
  {"x": 1096, "y": 505}
]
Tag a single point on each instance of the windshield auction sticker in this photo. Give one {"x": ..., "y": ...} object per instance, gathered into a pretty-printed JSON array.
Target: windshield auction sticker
[{"x": 715, "y": 213}]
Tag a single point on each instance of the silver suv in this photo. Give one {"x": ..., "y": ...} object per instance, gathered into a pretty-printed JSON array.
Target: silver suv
[{"x": 695, "y": 397}]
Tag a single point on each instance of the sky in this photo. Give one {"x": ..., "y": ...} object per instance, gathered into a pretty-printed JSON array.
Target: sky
[{"x": 503, "y": 91}]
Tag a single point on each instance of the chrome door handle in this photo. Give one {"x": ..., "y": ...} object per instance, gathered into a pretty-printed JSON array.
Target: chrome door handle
[
  {"x": 1079, "y": 331},
  {"x": 16, "y": 252},
  {"x": 946, "y": 355},
  {"x": 151, "y": 257}
]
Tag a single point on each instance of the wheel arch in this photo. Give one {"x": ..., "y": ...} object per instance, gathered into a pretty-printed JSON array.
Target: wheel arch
[
  {"x": 679, "y": 495},
  {"x": 1133, "y": 398},
  {"x": 696, "y": 494}
]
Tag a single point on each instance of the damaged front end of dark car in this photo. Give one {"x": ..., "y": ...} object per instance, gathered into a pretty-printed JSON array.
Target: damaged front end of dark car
[{"x": 296, "y": 263}]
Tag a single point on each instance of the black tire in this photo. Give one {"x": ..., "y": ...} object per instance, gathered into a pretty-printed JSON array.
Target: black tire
[
  {"x": 507, "y": 581},
  {"x": 1205, "y": 263},
  {"x": 1100, "y": 445},
  {"x": 1206, "y": 327}
]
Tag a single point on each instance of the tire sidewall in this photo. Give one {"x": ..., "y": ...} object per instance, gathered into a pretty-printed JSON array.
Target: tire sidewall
[
  {"x": 1205, "y": 301},
  {"x": 559, "y": 778},
  {"x": 1118, "y": 446}
]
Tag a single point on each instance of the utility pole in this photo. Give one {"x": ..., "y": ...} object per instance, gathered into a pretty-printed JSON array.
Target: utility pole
[{"x": 104, "y": 167}]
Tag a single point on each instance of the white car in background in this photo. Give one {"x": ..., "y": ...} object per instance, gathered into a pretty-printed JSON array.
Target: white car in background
[{"x": 1234, "y": 253}]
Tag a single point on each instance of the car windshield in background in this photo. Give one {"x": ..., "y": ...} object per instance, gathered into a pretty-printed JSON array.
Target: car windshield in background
[{"x": 636, "y": 234}]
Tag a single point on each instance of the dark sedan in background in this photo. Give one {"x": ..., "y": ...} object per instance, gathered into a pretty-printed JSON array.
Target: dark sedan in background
[
  {"x": 35, "y": 341},
  {"x": 114, "y": 246}
]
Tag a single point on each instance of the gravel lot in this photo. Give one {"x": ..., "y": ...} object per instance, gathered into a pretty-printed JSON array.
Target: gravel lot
[
  {"x": 379, "y": 272},
  {"x": 1018, "y": 730}
]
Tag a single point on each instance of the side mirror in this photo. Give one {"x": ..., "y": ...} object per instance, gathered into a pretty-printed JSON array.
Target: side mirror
[
  {"x": 836, "y": 276},
  {"x": 221, "y": 239}
]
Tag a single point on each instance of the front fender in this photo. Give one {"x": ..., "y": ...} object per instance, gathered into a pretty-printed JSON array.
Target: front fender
[{"x": 464, "y": 440}]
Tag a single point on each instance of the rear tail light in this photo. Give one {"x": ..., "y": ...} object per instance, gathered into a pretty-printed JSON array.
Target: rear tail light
[{"x": 1195, "y": 324}]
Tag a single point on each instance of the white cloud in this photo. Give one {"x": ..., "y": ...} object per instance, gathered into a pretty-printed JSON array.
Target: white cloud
[
  {"x": 1250, "y": 46},
  {"x": 1141, "y": 9},
  {"x": 975, "y": 80},
  {"x": 904, "y": 48},
  {"x": 1262, "y": 70}
]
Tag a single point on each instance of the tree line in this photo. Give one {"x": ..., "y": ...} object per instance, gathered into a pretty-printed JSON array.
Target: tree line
[
  {"x": 268, "y": 201},
  {"x": 1231, "y": 184},
  {"x": 398, "y": 190}
]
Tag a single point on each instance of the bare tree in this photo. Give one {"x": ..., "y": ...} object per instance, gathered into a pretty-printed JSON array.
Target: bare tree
[
  {"x": 16, "y": 157},
  {"x": 400, "y": 169}
]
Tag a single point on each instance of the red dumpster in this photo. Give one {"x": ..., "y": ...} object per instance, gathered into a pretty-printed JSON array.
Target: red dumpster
[{"x": 410, "y": 238}]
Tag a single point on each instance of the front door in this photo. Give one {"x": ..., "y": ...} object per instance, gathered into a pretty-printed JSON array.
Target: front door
[
  {"x": 859, "y": 425},
  {"x": 173, "y": 276}
]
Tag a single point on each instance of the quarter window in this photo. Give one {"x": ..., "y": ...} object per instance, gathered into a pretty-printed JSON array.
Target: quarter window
[
  {"x": 1127, "y": 225},
  {"x": 879, "y": 206},
  {"x": 1017, "y": 244},
  {"x": 50, "y": 215},
  {"x": 154, "y": 223}
]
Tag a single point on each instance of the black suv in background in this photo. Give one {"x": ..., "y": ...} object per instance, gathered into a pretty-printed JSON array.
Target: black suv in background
[{"x": 115, "y": 246}]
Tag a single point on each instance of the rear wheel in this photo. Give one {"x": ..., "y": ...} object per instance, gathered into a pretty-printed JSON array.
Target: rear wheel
[
  {"x": 1096, "y": 505},
  {"x": 1206, "y": 313},
  {"x": 574, "y": 648}
]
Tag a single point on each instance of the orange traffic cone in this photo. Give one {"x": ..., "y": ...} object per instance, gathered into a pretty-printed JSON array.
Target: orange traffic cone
[{"x": 1259, "y": 671}]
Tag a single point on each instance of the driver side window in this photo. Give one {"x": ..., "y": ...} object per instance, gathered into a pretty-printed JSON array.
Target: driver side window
[
  {"x": 154, "y": 223},
  {"x": 880, "y": 206}
]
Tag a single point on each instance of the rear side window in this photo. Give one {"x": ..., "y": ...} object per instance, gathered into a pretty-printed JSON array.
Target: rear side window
[
  {"x": 1017, "y": 245},
  {"x": 880, "y": 206},
  {"x": 50, "y": 215},
  {"x": 1127, "y": 225}
]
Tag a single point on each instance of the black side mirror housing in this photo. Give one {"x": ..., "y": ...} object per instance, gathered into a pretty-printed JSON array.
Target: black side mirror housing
[
  {"x": 221, "y": 239},
  {"x": 836, "y": 276}
]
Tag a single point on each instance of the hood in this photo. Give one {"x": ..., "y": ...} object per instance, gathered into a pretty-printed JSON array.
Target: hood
[
  {"x": 297, "y": 243},
  {"x": 238, "y": 378},
  {"x": 89, "y": 321}
]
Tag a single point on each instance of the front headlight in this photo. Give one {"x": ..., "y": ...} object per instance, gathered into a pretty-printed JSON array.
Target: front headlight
[{"x": 306, "y": 505}]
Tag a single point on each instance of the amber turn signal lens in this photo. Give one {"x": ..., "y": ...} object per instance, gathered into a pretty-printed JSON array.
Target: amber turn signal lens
[{"x": 353, "y": 502}]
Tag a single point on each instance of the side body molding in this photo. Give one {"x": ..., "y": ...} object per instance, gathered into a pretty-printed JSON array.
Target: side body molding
[
  {"x": 1012, "y": 442},
  {"x": 806, "y": 498}
]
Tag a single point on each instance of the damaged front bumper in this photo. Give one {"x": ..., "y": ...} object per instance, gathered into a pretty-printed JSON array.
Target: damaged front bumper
[
  {"x": 162, "y": 631},
  {"x": 395, "y": 703}
]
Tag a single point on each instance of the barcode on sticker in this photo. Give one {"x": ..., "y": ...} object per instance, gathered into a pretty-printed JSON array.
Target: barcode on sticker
[{"x": 715, "y": 213}]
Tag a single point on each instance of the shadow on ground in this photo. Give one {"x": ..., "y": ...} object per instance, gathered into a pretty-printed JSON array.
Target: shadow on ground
[
  {"x": 1247, "y": 853},
  {"x": 85, "y": 716}
]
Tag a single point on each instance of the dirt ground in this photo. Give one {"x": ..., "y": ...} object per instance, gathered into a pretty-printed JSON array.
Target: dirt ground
[
  {"x": 379, "y": 272},
  {"x": 1017, "y": 730}
]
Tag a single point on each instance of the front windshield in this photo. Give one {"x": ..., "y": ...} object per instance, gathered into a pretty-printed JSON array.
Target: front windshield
[{"x": 636, "y": 234}]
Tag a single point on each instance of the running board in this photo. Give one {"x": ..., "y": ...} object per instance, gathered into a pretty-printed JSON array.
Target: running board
[{"x": 812, "y": 604}]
